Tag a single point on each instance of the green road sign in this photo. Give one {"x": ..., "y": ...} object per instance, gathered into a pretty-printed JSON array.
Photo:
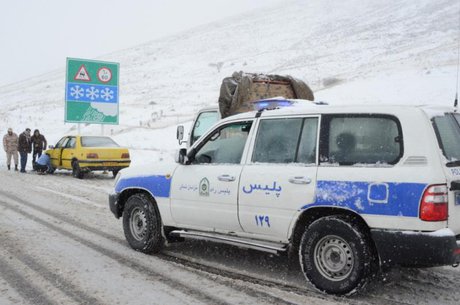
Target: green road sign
[{"x": 91, "y": 91}]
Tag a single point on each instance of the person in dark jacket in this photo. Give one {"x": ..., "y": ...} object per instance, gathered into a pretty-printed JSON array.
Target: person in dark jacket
[
  {"x": 38, "y": 145},
  {"x": 24, "y": 148}
]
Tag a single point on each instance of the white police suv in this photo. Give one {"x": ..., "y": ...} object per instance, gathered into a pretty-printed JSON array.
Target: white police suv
[{"x": 348, "y": 188}]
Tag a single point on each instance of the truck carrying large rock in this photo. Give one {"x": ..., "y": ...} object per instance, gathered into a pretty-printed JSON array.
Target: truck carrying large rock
[{"x": 239, "y": 91}]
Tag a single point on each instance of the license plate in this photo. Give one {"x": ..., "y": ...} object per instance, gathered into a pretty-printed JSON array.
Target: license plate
[
  {"x": 457, "y": 199},
  {"x": 109, "y": 163}
]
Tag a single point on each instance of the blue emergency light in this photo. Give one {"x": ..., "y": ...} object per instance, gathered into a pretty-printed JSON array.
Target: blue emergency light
[{"x": 271, "y": 104}]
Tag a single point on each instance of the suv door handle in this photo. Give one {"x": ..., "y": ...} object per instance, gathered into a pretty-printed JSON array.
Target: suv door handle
[
  {"x": 300, "y": 180},
  {"x": 226, "y": 178}
]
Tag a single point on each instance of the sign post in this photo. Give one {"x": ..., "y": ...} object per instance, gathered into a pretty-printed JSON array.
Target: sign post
[{"x": 91, "y": 92}]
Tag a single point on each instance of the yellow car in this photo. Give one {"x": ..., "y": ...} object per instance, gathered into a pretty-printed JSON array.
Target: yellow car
[{"x": 83, "y": 154}]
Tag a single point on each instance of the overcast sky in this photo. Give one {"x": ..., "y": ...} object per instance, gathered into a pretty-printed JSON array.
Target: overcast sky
[{"x": 36, "y": 36}]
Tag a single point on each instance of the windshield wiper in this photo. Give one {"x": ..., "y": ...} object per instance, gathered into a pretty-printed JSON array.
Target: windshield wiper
[{"x": 453, "y": 163}]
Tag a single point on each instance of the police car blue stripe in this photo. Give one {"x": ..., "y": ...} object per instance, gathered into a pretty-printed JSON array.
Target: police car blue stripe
[
  {"x": 159, "y": 186},
  {"x": 389, "y": 199}
]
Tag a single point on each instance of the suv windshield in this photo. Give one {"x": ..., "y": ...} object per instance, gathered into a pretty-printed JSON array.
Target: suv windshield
[{"x": 448, "y": 132}]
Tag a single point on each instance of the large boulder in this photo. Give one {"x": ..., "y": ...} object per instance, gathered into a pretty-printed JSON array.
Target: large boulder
[{"x": 239, "y": 91}]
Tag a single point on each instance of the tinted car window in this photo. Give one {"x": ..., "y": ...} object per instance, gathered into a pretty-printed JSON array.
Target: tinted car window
[
  {"x": 307, "y": 146},
  {"x": 98, "y": 142},
  {"x": 448, "y": 131},
  {"x": 362, "y": 139},
  {"x": 277, "y": 140},
  {"x": 225, "y": 145},
  {"x": 286, "y": 141}
]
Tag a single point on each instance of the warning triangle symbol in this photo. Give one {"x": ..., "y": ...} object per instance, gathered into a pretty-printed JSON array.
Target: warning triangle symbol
[{"x": 82, "y": 74}]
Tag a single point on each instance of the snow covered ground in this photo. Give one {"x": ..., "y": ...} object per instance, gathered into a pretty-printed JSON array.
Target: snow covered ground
[
  {"x": 347, "y": 51},
  {"x": 61, "y": 244}
]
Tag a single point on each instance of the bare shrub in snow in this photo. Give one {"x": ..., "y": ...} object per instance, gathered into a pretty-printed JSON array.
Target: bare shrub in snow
[{"x": 217, "y": 65}]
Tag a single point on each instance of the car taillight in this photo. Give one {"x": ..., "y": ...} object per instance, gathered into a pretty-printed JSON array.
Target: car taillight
[
  {"x": 125, "y": 156},
  {"x": 433, "y": 206},
  {"x": 92, "y": 156}
]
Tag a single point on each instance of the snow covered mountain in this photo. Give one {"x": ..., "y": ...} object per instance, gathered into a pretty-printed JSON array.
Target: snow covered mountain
[{"x": 394, "y": 51}]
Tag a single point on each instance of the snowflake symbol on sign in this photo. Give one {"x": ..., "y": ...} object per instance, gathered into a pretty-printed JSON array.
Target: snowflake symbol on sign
[
  {"x": 107, "y": 94},
  {"x": 76, "y": 92},
  {"x": 92, "y": 93}
]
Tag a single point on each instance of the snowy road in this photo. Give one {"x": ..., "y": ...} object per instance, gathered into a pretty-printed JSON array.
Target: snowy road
[{"x": 60, "y": 244}]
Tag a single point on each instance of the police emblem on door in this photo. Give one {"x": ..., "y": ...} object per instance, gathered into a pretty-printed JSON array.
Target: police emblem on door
[{"x": 204, "y": 187}]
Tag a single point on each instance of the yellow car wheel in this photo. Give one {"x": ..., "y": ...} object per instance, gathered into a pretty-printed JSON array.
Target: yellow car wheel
[{"x": 76, "y": 170}]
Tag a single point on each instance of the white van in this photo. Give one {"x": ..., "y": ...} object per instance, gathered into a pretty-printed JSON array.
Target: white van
[{"x": 348, "y": 188}]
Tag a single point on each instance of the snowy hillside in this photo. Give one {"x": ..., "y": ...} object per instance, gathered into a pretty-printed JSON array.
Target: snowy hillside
[{"x": 350, "y": 51}]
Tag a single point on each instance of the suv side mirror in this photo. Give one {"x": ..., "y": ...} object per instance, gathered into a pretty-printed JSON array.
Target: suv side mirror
[
  {"x": 180, "y": 155},
  {"x": 180, "y": 134}
]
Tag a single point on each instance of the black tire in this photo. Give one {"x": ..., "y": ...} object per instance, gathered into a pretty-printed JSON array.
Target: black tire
[
  {"x": 336, "y": 256},
  {"x": 115, "y": 172},
  {"x": 142, "y": 224},
  {"x": 76, "y": 170}
]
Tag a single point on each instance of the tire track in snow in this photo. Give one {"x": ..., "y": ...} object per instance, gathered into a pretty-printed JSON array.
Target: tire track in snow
[
  {"x": 211, "y": 270},
  {"x": 206, "y": 270},
  {"x": 177, "y": 260},
  {"x": 369, "y": 298},
  {"x": 65, "y": 218},
  {"x": 25, "y": 289},
  {"x": 162, "y": 278},
  {"x": 59, "y": 282},
  {"x": 72, "y": 197}
]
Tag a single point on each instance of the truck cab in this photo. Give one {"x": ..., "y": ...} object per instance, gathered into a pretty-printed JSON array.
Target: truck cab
[
  {"x": 203, "y": 120},
  {"x": 207, "y": 117}
]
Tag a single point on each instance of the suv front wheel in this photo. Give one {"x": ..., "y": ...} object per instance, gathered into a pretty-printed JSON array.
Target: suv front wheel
[
  {"x": 142, "y": 224},
  {"x": 335, "y": 255}
]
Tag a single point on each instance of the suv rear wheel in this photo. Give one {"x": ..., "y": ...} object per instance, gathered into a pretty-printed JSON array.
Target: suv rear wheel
[{"x": 335, "y": 255}]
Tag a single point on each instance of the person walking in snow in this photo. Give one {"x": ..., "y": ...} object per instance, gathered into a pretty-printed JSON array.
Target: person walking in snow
[
  {"x": 10, "y": 145},
  {"x": 24, "y": 148},
  {"x": 38, "y": 145}
]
